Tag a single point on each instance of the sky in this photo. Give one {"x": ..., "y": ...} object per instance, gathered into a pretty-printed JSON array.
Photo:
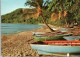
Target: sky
[{"x": 8, "y": 6}]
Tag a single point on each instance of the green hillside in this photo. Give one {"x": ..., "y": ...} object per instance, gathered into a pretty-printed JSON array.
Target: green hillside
[
  {"x": 13, "y": 17},
  {"x": 18, "y": 16},
  {"x": 25, "y": 16}
]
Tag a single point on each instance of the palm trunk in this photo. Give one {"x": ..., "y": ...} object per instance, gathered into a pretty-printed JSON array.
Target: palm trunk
[
  {"x": 47, "y": 24},
  {"x": 44, "y": 20}
]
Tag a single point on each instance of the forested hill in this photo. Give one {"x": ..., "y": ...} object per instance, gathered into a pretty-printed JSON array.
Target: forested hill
[
  {"x": 21, "y": 16},
  {"x": 28, "y": 16},
  {"x": 12, "y": 17}
]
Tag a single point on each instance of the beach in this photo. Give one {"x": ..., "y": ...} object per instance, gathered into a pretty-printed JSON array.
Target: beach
[{"x": 19, "y": 44}]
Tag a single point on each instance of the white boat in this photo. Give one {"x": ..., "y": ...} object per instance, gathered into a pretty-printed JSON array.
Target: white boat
[
  {"x": 36, "y": 33},
  {"x": 65, "y": 29},
  {"x": 51, "y": 47},
  {"x": 71, "y": 38}
]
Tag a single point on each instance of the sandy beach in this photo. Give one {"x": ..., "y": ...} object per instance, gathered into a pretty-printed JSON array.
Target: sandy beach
[{"x": 19, "y": 44}]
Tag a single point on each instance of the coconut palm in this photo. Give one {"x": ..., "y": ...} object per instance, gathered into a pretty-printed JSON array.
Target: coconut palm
[
  {"x": 60, "y": 7},
  {"x": 40, "y": 5}
]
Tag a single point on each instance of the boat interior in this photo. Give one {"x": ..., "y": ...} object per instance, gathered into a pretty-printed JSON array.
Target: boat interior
[{"x": 59, "y": 43}]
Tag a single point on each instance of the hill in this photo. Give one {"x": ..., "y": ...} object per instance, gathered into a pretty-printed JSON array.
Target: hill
[{"x": 21, "y": 15}]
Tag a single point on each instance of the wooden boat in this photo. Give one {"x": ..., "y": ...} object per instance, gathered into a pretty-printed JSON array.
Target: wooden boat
[
  {"x": 45, "y": 33},
  {"x": 49, "y": 37},
  {"x": 48, "y": 34},
  {"x": 55, "y": 28},
  {"x": 51, "y": 47},
  {"x": 52, "y": 34},
  {"x": 71, "y": 38},
  {"x": 36, "y": 33},
  {"x": 65, "y": 29}
]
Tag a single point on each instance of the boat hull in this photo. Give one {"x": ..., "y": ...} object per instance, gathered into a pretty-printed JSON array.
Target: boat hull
[
  {"x": 65, "y": 29},
  {"x": 48, "y": 38},
  {"x": 49, "y": 49},
  {"x": 44, "y": 35},
  {"x": 72, "y": 38},
  {"x": 36, "y": 33}
]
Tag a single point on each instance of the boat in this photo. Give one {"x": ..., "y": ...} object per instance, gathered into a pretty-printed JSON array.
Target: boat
[
  {"x": 65, "y": 29},
  {"x": 71, "y": 38},
  {"x": 55, "y": 28},
  {"x": 49, "y": 37},
  {"x": 36, "y": 33},
  {"x": 52, "y": 34},
  {"x": 49, "y": 34},
  {"x": 41, "y": 33},
  {"x": 52, "y": 47}
]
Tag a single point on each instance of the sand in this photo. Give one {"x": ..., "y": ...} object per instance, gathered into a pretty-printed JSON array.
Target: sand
[{"x": 19, "y": 44}]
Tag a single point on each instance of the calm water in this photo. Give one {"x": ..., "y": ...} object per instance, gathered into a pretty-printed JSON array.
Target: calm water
[{"x": 16, "y": 28}]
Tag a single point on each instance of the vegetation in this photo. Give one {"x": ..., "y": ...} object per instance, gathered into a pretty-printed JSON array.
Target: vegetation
[
  {"x": 13, "y": 17},
  {"x": 40, "y": 5},
  {"x": 68, "y": 11},
  {"x": 16, "y": 17},
  {"x": 56, "y": 12},
  {"x": 65, "y": 11}
]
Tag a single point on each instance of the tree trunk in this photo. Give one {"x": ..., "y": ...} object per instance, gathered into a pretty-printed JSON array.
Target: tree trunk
[
  {"x": 47, "y": 24},
  {"x": 44, "y": 20}
]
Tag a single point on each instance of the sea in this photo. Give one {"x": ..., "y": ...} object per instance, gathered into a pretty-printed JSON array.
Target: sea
[{"x": 7, "y": 28}]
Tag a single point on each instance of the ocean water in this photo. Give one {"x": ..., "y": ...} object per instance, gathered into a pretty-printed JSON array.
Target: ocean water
[{"x": 7, "y": 28}]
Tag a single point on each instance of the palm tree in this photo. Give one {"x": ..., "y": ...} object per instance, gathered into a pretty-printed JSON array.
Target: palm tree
[
  {"x": 39, "y": 5},
  {"x": 60, "y": 6}
]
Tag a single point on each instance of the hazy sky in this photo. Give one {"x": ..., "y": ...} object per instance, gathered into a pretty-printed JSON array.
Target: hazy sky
[{"x": 10, "y": 5}]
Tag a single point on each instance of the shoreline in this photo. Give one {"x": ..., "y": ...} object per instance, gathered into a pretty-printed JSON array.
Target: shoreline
[
  {"x": 19, "y": 44},
  {"x": 2, "y": 34},
  {"x": 44, "y": 26}
]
